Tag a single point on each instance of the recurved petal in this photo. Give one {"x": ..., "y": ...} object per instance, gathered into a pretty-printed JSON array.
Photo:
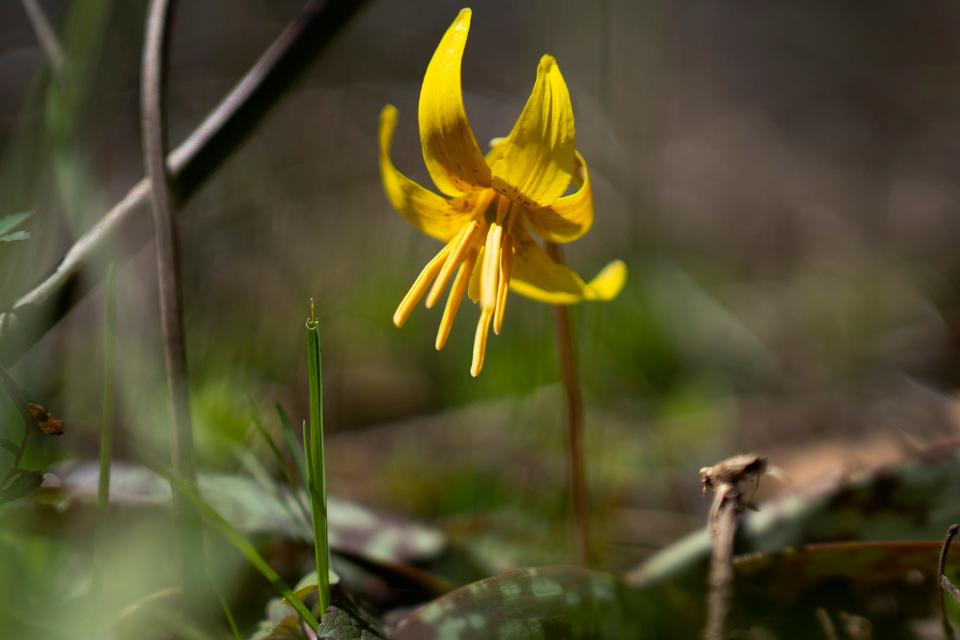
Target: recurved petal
[
  {"x": 536, "y": 275},
  {"x": 434, "y": 215},
  {"x": 450, "y": 149},
  {"x": 535, "y": 163},
  {"x": 570, "y": 217}
]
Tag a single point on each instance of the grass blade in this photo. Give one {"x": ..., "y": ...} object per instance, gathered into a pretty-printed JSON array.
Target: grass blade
[
  {"x": 313, "y": 445},
  {"x": 299, "y": 457},
  {"x": 241, "y": 544}
]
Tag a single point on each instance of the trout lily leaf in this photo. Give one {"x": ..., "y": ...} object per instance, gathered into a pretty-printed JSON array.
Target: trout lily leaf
[{"x": 493, "y": 206}]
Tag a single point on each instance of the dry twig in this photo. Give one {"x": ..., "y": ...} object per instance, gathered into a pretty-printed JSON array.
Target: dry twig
[
  {"x": 725, "y": 478},
  {"x": 190, "y": 164}
]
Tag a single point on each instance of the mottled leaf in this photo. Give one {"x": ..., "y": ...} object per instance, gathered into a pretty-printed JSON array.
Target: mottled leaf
[
  {"x": 11, "y": 221},
  {"x": 792, "y": 570},
  {"x": 529, "y": 604},
  {"x": 917, "y": 499},
  {"x": 343, "y": 620},
  {"x": 21, "y": 485},
  {"x": 9, "y": 445},
  {"x": 250, "y": 508},
  {"x": 16, "y": 236},
  {"x": 338, "y": 624},
  {"x": 888, "y": 582}
]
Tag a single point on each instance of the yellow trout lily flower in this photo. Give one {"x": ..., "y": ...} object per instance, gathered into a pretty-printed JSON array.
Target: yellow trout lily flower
[{"x": 493, "y": 205}]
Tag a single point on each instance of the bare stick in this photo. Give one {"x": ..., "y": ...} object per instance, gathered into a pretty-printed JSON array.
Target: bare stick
[
  {"x": 45, "y": 35},
  {"x": 725, "y": 478},
  {"x": 154, "y": 132},
  {"x": 944, "y": 582},
  {"x": 190, "y": 164},
  {"x": 567, "y": 355}
]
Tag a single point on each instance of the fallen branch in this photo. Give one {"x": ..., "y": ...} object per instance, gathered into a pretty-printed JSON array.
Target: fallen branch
[{"x": 190, "y": 164}]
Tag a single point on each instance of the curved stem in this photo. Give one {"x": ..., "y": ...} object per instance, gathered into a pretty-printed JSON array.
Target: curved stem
[{"x": 153, "y": 130}]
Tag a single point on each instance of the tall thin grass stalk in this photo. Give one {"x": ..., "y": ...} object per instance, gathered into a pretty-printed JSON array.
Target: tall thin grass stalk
[
  {"x": 316, "y": 480},
  {"x": 293, "y": 483},
  {"x": 569, "y": 374},
  {"x": 228, "y": 614}
]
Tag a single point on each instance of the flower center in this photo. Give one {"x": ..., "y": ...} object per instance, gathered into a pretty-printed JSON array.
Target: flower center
[{"x": 478, "y": 257}]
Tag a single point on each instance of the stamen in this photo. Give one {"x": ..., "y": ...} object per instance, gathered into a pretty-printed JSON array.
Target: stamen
[
  {"x": 503, "y": 208},
  {"x": 480, "y": 342},
  {"x": 473, "y": 291},
  {"x": 419, "y": 286},
  {"x": 461, "y": 245},
  {"x": 456, "y": 296},
  {"x": 491, "y": 268},
  {"x": 503, "y": 287}
]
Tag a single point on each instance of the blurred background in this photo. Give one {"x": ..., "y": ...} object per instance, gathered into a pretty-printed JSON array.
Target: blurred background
[{"x": 781, "y": 179}]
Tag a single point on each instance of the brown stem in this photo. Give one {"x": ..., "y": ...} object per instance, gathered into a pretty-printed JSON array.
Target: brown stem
[
  {"x": 190, "y": 164},
  {"x": 154, "y": 132},
  {"x": 725, "y": 478},
  {"x": 567, "y": 354},
  {"x": 722, "y": 527}
]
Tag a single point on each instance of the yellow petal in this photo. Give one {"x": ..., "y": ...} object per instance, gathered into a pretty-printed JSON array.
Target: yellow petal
[
  {"x": 570, "y": 217},
  {"x": 535, "y": 275},
  {"x": 434, "y": 215},
  {"x": 450, "y": 149},
  {"x": 535, "y": 163}
]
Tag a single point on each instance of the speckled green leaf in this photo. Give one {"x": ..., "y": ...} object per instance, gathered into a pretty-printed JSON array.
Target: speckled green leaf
[
  {"x": 249, "y": 507},
  {"x": 16, "y": 236},
  {"x": 339, "y": 624},
  {"x": 344, "y": 620},
  {"x": 530, "y": 604},
  {"x": 889, "y": 583},
  {"x": 21, "y": 485},
  {"x": 11, "y": 221}
]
